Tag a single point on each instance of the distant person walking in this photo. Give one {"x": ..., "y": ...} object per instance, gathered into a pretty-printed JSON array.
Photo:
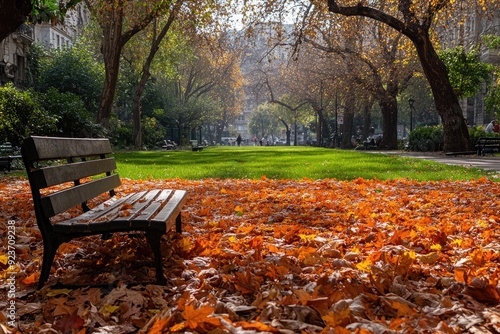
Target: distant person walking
[
  {"x": 238, "y": 140},
  {"x": 491, "y": 126}
]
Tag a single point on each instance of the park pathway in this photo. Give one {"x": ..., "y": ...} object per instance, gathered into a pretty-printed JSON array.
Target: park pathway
[{"x": 487, "y": 162}]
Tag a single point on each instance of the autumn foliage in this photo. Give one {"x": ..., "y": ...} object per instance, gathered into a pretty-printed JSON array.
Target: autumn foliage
[{"x": 277, "y": 256}]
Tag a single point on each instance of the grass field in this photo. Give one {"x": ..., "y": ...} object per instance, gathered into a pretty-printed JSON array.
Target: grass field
[{"x": 282, "y": 162}]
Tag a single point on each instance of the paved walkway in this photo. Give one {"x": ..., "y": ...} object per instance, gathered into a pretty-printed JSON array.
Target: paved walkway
[{"x": 487, "y": 162}]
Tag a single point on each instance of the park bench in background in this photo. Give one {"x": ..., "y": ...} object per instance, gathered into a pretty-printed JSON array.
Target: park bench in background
[
  {"x": 169, "y": 145},
  {"x": 79, "y": 161},
  {"x": 7, "y": 156},
  {"x": 488, "y": 145},
  {"x": 195, "y": 146}
]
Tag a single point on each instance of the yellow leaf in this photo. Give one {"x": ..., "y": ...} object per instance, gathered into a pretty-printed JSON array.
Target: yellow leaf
[
  {"x": 57, "y": 292},
  {"x": 4, "y": 259},
  {"x": 185, "y": 244},
  {"x": 306, "y": 237},
  {"x": 109, "y": 309},
  {"x": 436, "y": 247},
  {"x": 365, "y": 265},
  {"x": 411, "y": 254}
]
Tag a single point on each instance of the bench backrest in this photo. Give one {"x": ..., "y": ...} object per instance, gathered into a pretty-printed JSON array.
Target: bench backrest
[
  {"x": 6, "y": 149},
  {"x": 52, "y": 161},
  {"x": 486, "y": 140}
]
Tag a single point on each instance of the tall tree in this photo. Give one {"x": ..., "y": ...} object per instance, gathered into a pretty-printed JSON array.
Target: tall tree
[
  {"x": 120, "y": 20},
  {"x": 158, "y": 34},
  {"x": 415, "y": 20}
]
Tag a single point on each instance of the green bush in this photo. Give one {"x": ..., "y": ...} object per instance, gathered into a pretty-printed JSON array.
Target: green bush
[
  {"x": 152, "y": 132},
  {"x": 426, "y": 139},
  {"x": 477, "y": 132},
  {"x": 21, "y": 116},
  {"x": 122, "y": 136},
  {"x": 73, "y": 119},
  {"x": 431, "y": 138}
]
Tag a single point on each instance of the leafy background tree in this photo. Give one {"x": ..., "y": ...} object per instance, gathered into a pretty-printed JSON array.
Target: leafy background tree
[
  {"x": 465, "y": 70},
  {"x": 21, "y": 116},
  {"x": 72, "y": 70}
]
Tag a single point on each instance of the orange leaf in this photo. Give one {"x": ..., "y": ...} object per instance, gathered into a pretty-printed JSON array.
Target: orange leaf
[
  {"x": 158, "y": 326},
  {"x": 31, "y": 279},
  {"x": 195, "y": 317}
]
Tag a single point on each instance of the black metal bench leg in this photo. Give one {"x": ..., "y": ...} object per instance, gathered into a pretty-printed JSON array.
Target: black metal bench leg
[
  {"x": 49, "y": 252},
  {"x": 178, "y": 224},
  {"x": 154, "y": 240}
]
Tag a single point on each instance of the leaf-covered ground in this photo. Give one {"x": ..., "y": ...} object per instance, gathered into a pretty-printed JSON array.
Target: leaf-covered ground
[{"x": 276, "y": 256}]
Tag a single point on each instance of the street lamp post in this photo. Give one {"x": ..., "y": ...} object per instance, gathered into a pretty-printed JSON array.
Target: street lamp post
[{"x": 411, "y": 101}]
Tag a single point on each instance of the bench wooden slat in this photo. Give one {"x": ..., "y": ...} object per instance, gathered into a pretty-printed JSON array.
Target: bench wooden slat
[
  {"x": 52, "y": 175},
  {"x": 487, "y": 143},
  {"x": 63, "y": 200},
  {"x": 104, "y": 210},
  {"x": 153, "y": 207},
  {"x": 145, "y": 199},
  {"x": 172, "y": 207},
  {"x": 41, "y": 148}
]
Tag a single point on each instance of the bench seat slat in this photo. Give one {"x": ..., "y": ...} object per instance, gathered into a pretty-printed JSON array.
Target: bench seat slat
[
  {"x": 94, "y": 221},
  {"x": 52, "y": 175},
  {"x": 173, "y": 206},
  {"x": 153, "y": 207},
  {"x": 139, "y": 204},
  {"x": 62, "y": 200}
]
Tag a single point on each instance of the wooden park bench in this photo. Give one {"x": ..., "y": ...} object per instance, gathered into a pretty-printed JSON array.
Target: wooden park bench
[
  {"x": 85, "y": 168},
  {"x": 488, "y": 145},
  {"x": 169, "y": 145},
  {"x": 195, "y": 146},
  {"x": 7, "y": 155}
]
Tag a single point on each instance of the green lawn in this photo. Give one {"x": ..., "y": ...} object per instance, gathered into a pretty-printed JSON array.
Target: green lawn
[{"x": 282, "y": 162}]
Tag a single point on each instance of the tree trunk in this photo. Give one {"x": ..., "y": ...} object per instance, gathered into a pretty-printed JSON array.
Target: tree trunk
[
  {"x": 319, "y": 127},
  {"x": 389, "y": 108},
  {"x": 136, "y": 107},
  {"x": 287, "y": 131},
  {"x": 347, "y": 127},
  {"x": 350, "y": 106},
  {"x": 12, "y": 15},
  {"x": 367, "y": 120},
  {"x": 111, "y": 49},
  {"x": 456, "y": 133}
]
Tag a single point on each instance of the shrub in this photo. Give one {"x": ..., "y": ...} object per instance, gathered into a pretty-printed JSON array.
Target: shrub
[
  {"x": 477, "y": 132},
  {"x": 152, "y": 132},
  {"x": 122, "y": 136},
  {"x": 426, "y": 139},
  {"x": 73, "y": 119},
  {"x": 21, "y": 116}
]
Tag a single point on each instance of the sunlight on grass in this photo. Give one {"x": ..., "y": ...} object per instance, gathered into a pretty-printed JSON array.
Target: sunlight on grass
[{"x": 283, "y": 163}]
